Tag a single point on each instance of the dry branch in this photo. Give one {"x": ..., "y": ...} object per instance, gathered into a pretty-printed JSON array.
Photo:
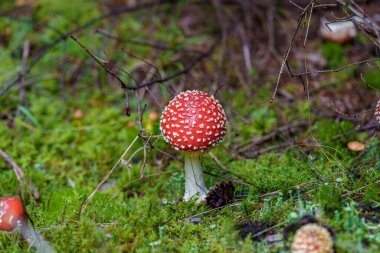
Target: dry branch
[
  {"x": 123, "y": 85},
  {"x": 67, "y": 35},
  {"x": 261, "y": 139}
]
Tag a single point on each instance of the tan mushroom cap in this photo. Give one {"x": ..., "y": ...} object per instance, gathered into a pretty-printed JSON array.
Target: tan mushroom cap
[
  {"x": 312, "y": 238},
  {"x": 355, "y": 146}
]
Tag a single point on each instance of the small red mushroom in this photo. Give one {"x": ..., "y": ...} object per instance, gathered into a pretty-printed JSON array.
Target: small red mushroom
[
  {"x": 193, "y": 122},
  {"x": 377, "y": 111},
  {"x": 12, "y": 214}
]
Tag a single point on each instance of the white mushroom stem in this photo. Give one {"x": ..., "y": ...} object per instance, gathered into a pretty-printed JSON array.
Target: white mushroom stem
[
  {"x": 194, "y": 177},
  {"x": 34, "y": 239}
]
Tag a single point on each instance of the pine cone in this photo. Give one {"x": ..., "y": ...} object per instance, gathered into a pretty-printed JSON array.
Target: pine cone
[
  {"x": 253, "y": 228},
  {"x": 220, "y": 195}
]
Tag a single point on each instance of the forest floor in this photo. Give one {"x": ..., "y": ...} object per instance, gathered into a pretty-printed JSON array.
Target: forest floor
[{"x": 67, "y": 124}]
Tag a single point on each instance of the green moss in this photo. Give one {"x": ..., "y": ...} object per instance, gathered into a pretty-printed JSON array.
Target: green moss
[{"x": 66, "y": 157}]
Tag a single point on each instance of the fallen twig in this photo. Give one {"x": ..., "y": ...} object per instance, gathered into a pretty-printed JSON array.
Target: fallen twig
[
  {"x": 85, "y": 204},
  {"x": 261, "y": 139},
  {"x": 369, "y": 126},
  {"x": 336, "y": 69}
]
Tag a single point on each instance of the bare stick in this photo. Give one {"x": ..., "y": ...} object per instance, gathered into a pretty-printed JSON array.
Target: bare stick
[
  {"x": 149, "y": 83},
  {"x": 359, "y": 189},
  {"x": 308, "y": 24},
  {"x": 187, "y": 68},
  {"x": 291, "y": 128},
  {"x": 109, "y": 70},
  {"x": 300, "y": 19},
  {"x": 20, "y": 174},
  {"x": 139, "y": 112},
  {"x": 225, "y": 171},
  {"x": 127, "y": 108},
  {"x": 337, "y": 69},
  {"x": 355, "y": 9}
]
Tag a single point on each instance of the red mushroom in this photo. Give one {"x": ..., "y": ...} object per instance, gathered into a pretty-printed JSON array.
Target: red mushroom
[
  {"x": 377, "y": 111},
  {"x": 193, "y": 122},
  {"x": 12, "y": 214}
]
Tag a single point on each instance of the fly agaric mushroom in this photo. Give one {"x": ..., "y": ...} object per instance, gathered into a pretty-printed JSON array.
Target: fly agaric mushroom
[
  {"x": 377, "y": 111},
  {"x": 193, "y": 122},
  {"x": 12, "y": 214},
  {"x": 312, "y": 238}
]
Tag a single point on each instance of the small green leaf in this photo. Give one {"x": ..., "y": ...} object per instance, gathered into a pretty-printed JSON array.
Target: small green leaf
[{"x": 29, "y": 115}]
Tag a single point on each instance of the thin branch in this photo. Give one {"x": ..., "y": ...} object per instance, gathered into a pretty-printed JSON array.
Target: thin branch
[
  {"x": 291, "y": 128},
  {"x": 308, "y": 23},
  {"x": 127, "y": 109},
  {"x": 67, "y": 35},
  {"x": 359, "y": 189},
  {"x": 229, "y": 179},
  {"x": 225, "y": 171},
  {"x": 355, "y": 9},
  {"x": 285, "y": 58},
  {"x": 109, "y": 70},
  {"x": 85, "y": 204},
  {"x": 336, "y": 69},
  {"x": 152, "y": 82},
  {"x": 188, "y": 67}
]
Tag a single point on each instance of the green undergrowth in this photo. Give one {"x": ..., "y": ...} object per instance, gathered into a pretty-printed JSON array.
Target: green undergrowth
[
  {"x": 67, "y": 157},
  {"x": 70, "y": 134}
]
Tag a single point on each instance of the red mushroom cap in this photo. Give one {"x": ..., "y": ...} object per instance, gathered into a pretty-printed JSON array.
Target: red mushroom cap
[
  {"x": 12, "y": 214},
  {"x": 377, "y": 111},
  {"x": 193, "y": 121}
]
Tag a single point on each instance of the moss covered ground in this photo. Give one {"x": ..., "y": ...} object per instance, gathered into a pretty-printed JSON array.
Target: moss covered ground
[{"x": 70, "y": 134}]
